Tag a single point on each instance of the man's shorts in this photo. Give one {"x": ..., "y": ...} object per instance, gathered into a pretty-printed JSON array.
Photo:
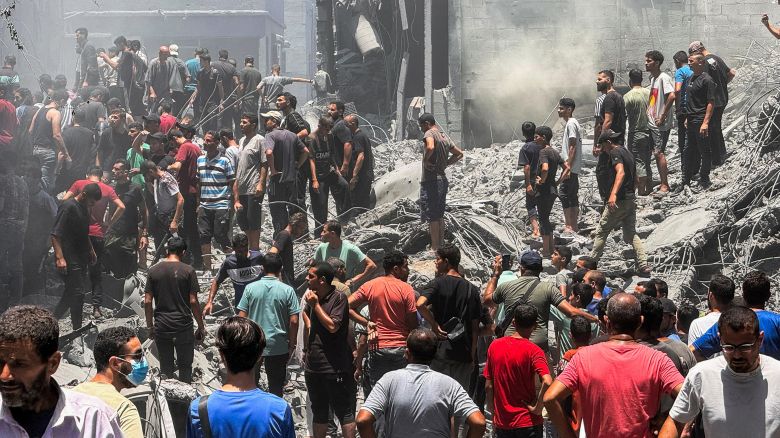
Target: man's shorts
[
  {"x": 640, "y": 143},
  {"x": 213, "y": 223},
  {"x": 568, "y": 191},
  {"x": 530, "y": 205},
  {"x": 660, "y": 139},
  {"x": 433, "y": 199},
  {"x": 336, "y": 392},
  {"x": 250, "y": 217}
]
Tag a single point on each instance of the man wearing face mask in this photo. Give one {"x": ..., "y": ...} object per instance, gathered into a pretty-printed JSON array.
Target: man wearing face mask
[
  {"x": 120, "y": 363},
  {"x": 33, "y": 404}
]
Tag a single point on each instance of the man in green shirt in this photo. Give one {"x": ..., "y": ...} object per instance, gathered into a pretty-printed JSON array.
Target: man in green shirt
[
  {"x": 640, "y": 141},
  {"x": 334, "y": 246}
]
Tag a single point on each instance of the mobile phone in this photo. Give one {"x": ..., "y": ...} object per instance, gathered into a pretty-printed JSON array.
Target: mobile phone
[{"x": 506, "y": 262}]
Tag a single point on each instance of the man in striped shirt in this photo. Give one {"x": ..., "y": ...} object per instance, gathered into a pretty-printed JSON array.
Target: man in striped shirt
[{"x": 215, "y": 175}]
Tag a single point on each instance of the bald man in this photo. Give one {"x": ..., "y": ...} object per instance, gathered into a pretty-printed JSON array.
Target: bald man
[
  {"x": 158, "y": 77},
  {"x": 361, "y": 167}
]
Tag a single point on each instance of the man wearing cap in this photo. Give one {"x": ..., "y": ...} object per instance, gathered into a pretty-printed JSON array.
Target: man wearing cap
[
  {"x": 179, "y": 77},
  {"x": 617, "y": 186},
  {"x": 722, "y": 74},
  {"x": 186, "y": 169},
  {"x": 249, "y": 78},
  {"x": 529, "y": 289},
  {"x": 285, "y": 153}
]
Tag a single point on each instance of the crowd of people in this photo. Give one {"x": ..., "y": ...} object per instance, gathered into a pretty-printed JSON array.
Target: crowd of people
[{"x": 185, "y": 152}]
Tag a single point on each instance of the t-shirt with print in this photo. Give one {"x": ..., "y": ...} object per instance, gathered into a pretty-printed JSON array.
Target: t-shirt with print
[
  {"x": 719, "y": 71},
  {"x": 98, "y": 211},
  {"x": 544, "y": 295},
  {"x": 660, "y": 87},
  {"x": 241, "y": 271},
  {"x": 681, "y": 76},
  {"x": 549, "y": 156},
  {"x": 389, "y": 300},
  {"x": 572, "y": 130},
  {"x": 454, "y": 297},
  {"x": 187, "y": 176},
  {"x": 165, "y": 193},
  {"x": 171, "y": 283},
  {"x": 348, "y": 253},
  {"x": 637, "y": 101},
  {"x": 251, "y": 157},
  {"x": 732, "y": 404},
  {"x": 598, "y": 373},
  {"x": 321, "y": 151},
  {"x": 330, "y": 353},
  {"x": 434, "y": 167},
  {"x": 270, "y": 303},
  {"x": 623, "y": 156},
  {"x": 512, "y": 366},
  {"x": 613, "y": 104}
]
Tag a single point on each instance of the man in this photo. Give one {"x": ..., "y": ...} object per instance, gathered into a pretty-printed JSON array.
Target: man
[
  {"x": 416, "y": 398},
  {"x": 113, "y": 143},
  {"x": 650, "y": 334},
  {"x": 73, "y": 250},
  {"x": 701, "y": 95},
  {"x": 640, "y": 138},
  {"x": 598, "y": 281},
  {"x": 249, "y": 78},
  {"x": 230, "y": 82},
  {"x": 167, "y": 119},
  {"x": 168, "y": 201},
  {"x": 14, "y": 212},
  {"x": 611, "y": 109},
  {"x": 186, "y": 170},
  {"x": 735, "y": 394},
  {"x": 361, "y": 171},
  {"x": 285, "y": 153},
  {"x": 686, "y": 314},
  {"x": 293, "y": 122},
  {"x": 244, "y": 266},
  {"x": 33, "y": 404},
  {"x": 251, "y": 173},
  {"x": 662, "y": 96},
  {"x": 274, "y": 306},
  {"x": 8, "y": 76},
  {"x": 172, "y": 287},
  {"x": 132, "y": 72},
  {"x": 86, "y": 67},
  {"x": 571, "y": 151},
  {"x": 239, "y": 407},
  {"x": 179, "y": 77},
  {"x": 270, "y": 87},
  {"x": 283, "y": 244},
  {"x": 109, "y": 76},
  {"x": 547, "y": 185},
  {"x": 40, "y": 219},
  {"x": 215, "y": 182},
  {"x": 120, "y": 363},
  {"x": 721, "y": 74},
  {"x": 209, "y": 94},
  {"x": 439, "y": 152},
  {"x": 560, "y": 260},
  {"x": 329, "y": 370},
  {"x": 334, "y": 246},
  {"x": 46, "y": 138},
  {"x": 531, "y": 290},
  {"x": 393, "y": 314},
  {"x": 125, "y": 241},
  {"x": 158, "y": 78},
  {"x": 452, "y": 298},
  {"x": 529, "y": 161},
  {"x": 193, "y": 67},
  {"x": 342, "y": 146},
  {"x": 513, "y": 363},
  {"x": 94, "y": 110},
  {"x": 227, "y": 141},
  {"x": 325, "y": 177},
  {"x": 756, "y": 293},
  {"x": 9, "y": 121},
  {"x": 720, "y": 294},
  {"x": 97, "y": 229},
  {"x": 620, "y": 205},
  {"x": 635, "y": 395},
  {"x": 580, "y": 297},
  {"x": 322, "y": 82}
]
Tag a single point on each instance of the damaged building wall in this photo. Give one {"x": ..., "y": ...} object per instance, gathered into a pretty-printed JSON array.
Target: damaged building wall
[{"x": 300, "y": 42}]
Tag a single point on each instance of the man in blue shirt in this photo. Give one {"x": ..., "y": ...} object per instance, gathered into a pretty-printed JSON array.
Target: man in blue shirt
[
  {"x": 681, "y": 75},
  {"x": 239, "y": 408},
  {"x": 193, "y": 67},
  {"x": 243, "y": 267},
  {"x": 274, "y": 306},
  {"x": 756, "y": 292}
]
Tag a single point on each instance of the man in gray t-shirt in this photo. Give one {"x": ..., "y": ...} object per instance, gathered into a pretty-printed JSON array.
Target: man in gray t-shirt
[
  {"x": 249, "y": 187},
  {"x": 571, "y": 152},
  {"x": 272, "y": 86},
  {"x": 416, "y": 398}
]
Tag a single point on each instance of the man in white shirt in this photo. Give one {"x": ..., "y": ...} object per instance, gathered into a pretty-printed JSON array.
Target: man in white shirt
[
  {"x": 659, "y": 112},
  {"x": 737, "y": 394},
  {"x": 33, "y": 404},
  {"x": 719, "y": 297}
]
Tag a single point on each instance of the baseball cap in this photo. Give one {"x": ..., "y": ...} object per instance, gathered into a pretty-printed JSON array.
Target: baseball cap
[
  {"x": 608, "y": 134},
  {"x": 174, "y": 49},
  {"x": 695, "y": 46},
  {"x": 669, "y": 306},
  {"x": 531, "y": 259},
  {"x": 152, "y": 118},
  {"x": 276, "y": 115}
]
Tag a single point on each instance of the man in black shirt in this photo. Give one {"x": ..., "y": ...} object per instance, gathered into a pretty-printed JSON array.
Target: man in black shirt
[
  {"x": 454, "y": 312},
  {"x": 86, "y": 67},
  {"x": 73, "y": 250},
  {"x": 249, "y": 78},
  {"x": 173, "y": 288},
  {"x": 722, "y": 74},
  {"x": 361, "y": 169},
  {"x": 620, "y": 208},
  {"x": 329, "y": 370},
  {"x": 547, "y": 185},
  {"x": 700, "y": 110},
  {"x": 529, "y": 161},
  {"x": 209, "y": 94},
  {"x": 125, "y": 242},
  {"x": 294, "y": 122},
  {"x": 342, "y": 150},
  {"x": 325, "y": 178},
  {"x": 283, "y": 244},
  {"x": 80, "y": 143},
  {"x": 244, "y": 266},
  {"x": 230, "y": 82},
  {"x": 114, "y": 142},
  {"x": 612, "y": 112}
]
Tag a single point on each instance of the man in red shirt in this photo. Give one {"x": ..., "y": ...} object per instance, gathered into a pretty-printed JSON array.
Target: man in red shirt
[
  {"x": 512, "y": 364},
  {"x": 617, "y": 376},
  {"x": 167, "y": 120},
  {"x": 392, "y": 313},
  {"x": 186, "y": 169},
  {"x": 8, "y": 121},
  {"x": 97, "y": 228}
]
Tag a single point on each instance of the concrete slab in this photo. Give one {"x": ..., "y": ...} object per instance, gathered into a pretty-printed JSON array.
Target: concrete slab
[
  {"x": 403, "y": 182},
  {"x": 677, "y": 228}
]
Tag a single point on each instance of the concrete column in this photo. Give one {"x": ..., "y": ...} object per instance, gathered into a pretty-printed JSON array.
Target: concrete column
[{"x": 428, "y": 58}]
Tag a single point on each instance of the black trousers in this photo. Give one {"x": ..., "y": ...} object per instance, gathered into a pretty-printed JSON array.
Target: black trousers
[
  {"x": 522, "y": 432},
  {"x": 191, "y": 229},
  {"x": 96, "y": 271},
  {"x": 276, "y": 372},
  {"x": 179, "y": 99},
  {"x": 73, "y": 296},
  {"x": 183, "y": 343},
  {"x": 282, "y": 201},
  {"x": 717, "y": 142},
  {"x": 329, "y": 184},
  {"x": 697, "y": 153}
]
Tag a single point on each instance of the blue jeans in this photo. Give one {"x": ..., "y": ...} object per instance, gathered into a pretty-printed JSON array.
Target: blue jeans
[{"x": 48, "y": 160}]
